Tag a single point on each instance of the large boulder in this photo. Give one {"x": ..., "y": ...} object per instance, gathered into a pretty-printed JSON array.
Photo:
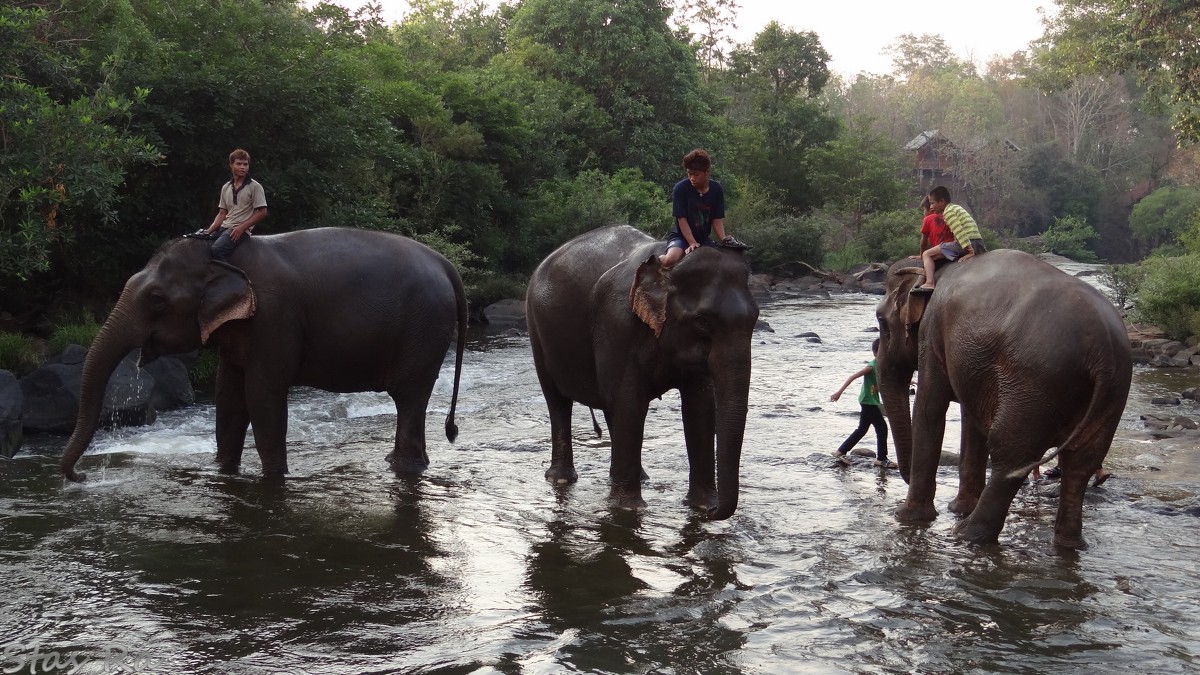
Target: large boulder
[
  {"x": 172, "y": 386},
  {"x": 11, "y": 402},
  {"x": 51, "y": 396},
  {"x": 505, "y": 314}
]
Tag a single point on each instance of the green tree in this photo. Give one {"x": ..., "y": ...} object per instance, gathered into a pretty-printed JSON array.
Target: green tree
[
  {"x": 1169, "y": 296},
  {"x": 1122, "y": 282},
  {"x": 778, "y": 115},
  {"x": 1071, "y": 237},
  {"x": 1157, "y": 39},
  {"x": 1055, "y": 187},
  {"x": 709, "y": 23},
  {"x": 857, "y": 174},
  {"x": 633, "y": 67},
  {"x": 1163, "y": 215},
  {"x": 563, "y": 209},
  {"x": 921, "y": 56},
  {"x": 64, "y": 145}
]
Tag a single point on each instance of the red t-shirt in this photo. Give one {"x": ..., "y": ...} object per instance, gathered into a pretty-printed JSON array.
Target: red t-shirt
[{"x": 936, "y": 230}]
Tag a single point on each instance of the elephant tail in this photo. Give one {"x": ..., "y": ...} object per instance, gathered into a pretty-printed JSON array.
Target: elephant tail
[
  {"x": 1024, "y": 470},
  {"x": 460, "y": 300}
]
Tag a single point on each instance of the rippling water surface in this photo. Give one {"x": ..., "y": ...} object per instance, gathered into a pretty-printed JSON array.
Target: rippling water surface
[{"x": 481, "y": 566}]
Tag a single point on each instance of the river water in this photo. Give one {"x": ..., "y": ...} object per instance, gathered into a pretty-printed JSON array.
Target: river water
[{"x": 158, "y": 564}]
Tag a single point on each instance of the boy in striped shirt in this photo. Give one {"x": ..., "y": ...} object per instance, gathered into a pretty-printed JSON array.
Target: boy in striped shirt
[{"x": 967, "y": 239}]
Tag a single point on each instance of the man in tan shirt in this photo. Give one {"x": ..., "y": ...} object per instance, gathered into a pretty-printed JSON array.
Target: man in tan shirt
[{"x": 243, "y": 204}]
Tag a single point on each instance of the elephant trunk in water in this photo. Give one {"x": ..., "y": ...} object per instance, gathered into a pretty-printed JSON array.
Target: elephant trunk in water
[
  {"x": 894, "y": 383},
  {"x": 731, "y": 389},
  {"x": 116, "y": 338}
]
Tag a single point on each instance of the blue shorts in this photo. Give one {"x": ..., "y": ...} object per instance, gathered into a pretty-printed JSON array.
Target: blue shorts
[
  {"x": 952, "y": 251},
  {"x": 677, "y": 241}
]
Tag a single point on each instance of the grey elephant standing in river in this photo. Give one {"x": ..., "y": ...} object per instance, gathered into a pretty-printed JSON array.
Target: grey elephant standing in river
[
  {"x": 1035, "y": 358},
  {"x": 342, "y": 310},
  {"x": 611, "y": 329}
]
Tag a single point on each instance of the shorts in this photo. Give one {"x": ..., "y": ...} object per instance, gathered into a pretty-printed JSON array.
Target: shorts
[
  {"x": 952, "y": 250},
  {"x": 677, "y": 241}
]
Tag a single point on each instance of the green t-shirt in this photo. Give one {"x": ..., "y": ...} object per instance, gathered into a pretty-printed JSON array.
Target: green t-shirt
[
  {"x": 870, "y": 389},
  {"x": 961, "y": 224}
]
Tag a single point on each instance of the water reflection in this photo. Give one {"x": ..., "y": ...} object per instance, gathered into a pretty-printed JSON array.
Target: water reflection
[{"x": 481, "y": 566}]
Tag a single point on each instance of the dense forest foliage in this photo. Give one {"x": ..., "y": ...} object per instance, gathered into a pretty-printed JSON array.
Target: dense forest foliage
[{"x": 494, "y": 134}]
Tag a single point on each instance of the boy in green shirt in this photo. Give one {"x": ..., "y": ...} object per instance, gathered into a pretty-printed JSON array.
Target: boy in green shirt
[{"x": 871, "y": 415}]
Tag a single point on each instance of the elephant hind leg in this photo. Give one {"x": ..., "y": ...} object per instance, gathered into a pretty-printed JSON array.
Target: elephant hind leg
[
  {"x": 408, "y": 454},
  {"x": 972, "y": 467},
  {"x": 562, "y": 455},
  {"x": 1068, "y": 522},
  {"x": 986, "y": 521},
  {"x": 627, "y": 426}
]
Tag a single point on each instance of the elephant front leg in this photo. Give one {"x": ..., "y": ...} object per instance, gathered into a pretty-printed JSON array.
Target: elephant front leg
[
  {"x": 233, "y": 419},
  {"x": 627, "y": 425},
  {"x": 929, "y": 427},
  {"x": 699, "y": 415}
]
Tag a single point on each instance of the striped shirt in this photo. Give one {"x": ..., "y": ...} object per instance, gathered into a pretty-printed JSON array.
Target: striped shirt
[{"x": 961, "y": 224}]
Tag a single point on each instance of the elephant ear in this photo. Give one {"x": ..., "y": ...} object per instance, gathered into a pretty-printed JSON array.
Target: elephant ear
[
  {"x": 910, "y": 308},
  {"x": 648, "y": 295},
  {"x": 228, "y": 295}
]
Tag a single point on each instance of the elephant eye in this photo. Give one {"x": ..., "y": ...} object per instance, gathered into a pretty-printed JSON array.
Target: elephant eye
[{"x": 158, "y": 301}]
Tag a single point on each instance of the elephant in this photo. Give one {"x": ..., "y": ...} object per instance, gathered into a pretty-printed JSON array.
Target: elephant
[
  {"x": 612, "y": 329},
  {"x": 339, "y": 309},
  {"x": 1035, "y": 358}
]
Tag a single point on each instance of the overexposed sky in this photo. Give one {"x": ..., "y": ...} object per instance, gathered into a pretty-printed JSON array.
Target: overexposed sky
[{"x": 855, "y": 32}]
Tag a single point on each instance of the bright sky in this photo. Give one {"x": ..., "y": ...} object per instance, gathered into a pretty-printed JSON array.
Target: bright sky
[{"x": 855, "y": 32}]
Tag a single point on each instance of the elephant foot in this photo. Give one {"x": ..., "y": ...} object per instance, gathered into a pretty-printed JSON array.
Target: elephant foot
[
  {"x": 229, "y": 469},
  {"x": 626, "y": 500},
  {"x": 1075, "y": 541},
  {"x": 963, "y": 506},
  {"x": 701, "y": 498},
  {"x": 561, "y": 475},
  {"x": 975, "y": 533},
  {"x": 408, "y": 464},
  {"x": 915, "y": 511}
]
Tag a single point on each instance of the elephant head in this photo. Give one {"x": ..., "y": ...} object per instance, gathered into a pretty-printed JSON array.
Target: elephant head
[
  {"x": 171, "y": 306},
  {"x": 702, "y": 316},
  {"x": 899, "y": 316}
]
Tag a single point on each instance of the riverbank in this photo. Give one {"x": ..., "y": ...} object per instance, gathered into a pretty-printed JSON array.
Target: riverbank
[{"x": 1151, "y": 456}]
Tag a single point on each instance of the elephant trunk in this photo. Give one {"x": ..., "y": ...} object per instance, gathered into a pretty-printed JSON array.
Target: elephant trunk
[
  {"x": 731, "y": 388},
  {"x": 116, "y": 339},
  {"x": 894, "y": 383}
]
